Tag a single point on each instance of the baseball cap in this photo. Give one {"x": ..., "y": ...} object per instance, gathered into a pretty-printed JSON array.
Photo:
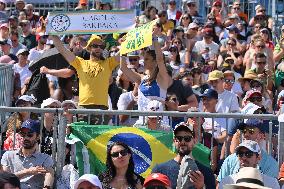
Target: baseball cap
[
  {"x": 251, "y": 92},
  {"x": 253, "y": 122},
  {"x": 210, "y": 93},
  {"x": 154, "y": 105},
  {"x": 233, "y": 28},
  {"x": 92, "y": 39},
  {"x": 249, "y": 144},
  {"x": 49, "y": 101},
  {"x": 65, "y": 102},
  {"x": 192, "y": 25},
  {"x": 26, "y": 98},
  {"x": 179, "y": 28},
  {"x": 208, "y": 31},
  {"x": 133, "y": 53},
  {"x": 215, "y": 75},
  {"x": 22, "y": 51},
  {"x": 157, "y": 177},
  {"x": 24, "y": 22},
  {"x": 182, "y": 126},
  {"x": 190, "y": 1},
  {"x": 10, "y": 178},
  {"x": 32, "y": 125},
  {"x": 6, "y": 42},
  {"x": 13, "y": 17},
  {"x": 93, "y": 179},
  {"x": 4, "y": 25}
]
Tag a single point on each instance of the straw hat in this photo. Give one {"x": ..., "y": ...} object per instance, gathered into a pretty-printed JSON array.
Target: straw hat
[
  {"x": 249, "y": 75},
  {"x": 248, "y": 177}
]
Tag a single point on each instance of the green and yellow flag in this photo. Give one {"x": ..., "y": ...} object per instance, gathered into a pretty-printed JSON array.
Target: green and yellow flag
[{"x": 148, "y": 147}]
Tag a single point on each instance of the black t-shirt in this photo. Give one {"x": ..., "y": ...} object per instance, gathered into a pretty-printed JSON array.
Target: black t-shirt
[
  {"x": 29, "y": 41},
  {"x": 181, "y": 91}
]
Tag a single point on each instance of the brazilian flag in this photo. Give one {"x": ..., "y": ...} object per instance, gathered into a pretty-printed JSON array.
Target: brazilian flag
[{"x": 149, "y": 147}]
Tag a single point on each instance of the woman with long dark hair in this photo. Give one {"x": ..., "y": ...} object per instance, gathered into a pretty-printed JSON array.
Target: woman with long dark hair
[
  {"x": 149, "y": 15},
  {"x": 120, "y": 169}
]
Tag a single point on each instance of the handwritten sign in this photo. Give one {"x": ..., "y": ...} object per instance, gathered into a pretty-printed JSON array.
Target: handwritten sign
[
  {"x": 90, "y": 22},
  {"x": 138, "y": 38}
]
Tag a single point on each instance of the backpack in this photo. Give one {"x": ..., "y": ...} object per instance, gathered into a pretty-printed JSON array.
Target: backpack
[{"x": 38, "y": 87}]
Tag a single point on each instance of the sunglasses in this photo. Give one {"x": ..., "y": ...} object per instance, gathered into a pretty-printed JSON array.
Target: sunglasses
[
  {"x": 229, "y": 81},
  {"x": 191, "y": 5},
  {"x": 251, "y": 131},
  {"x": 172, "y": 3},
  {"x": 247, "y": 154},
  {"x": 156, "y": 187},
  {"x": 236, "y": 8},
  {"x": 177, "y": 42},
  {"x": 186, "y": 18},
  {"x": 185, "y": 138},
  {"x": 29, "y": 134},
  {"x": 260, "y": 46},
  {"x": 263, "y": 10},
  {"x": 98, "y": 46},
  {"x": 114, "y": 51},
  {"x": 122, "y": 153},
  {"x": 261, "y": 63},
  {"x": 173, "y": 50},
  {"x": 133, "y": 59},
  {"x": 231, "y": 44},
  {"x": 174, "y": 99},
  {"x": 256, "y": 98}
]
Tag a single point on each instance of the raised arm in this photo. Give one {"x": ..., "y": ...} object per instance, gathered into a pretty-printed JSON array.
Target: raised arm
[
  {"x": 163, "y": 77},
  {"x": 67, "y": 54},
  {"x": 135, "y": 77},
  {"x": 64, "y": 73}
]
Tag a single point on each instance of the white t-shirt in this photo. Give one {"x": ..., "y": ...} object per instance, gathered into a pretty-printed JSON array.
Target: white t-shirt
[
  {"x": 34, "y": 54},
  {"x": 171, "y": 14},
  {"x": 201, "y": 45},
  {"x": 23, "y": 71},
  {"x": 219, "y": 126},
  {"x": 227, "y": 103},
  {"x": 122, "y": 103},
  {"x": 267, "y": 181}
]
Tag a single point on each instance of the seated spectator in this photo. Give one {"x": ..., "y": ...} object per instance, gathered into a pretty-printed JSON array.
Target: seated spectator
[
  {"x": 210, "y": 99},
  {"x": 64, "y": 90},
  {"x": 48, "y": 123},
  {"x": 35, "y": 52},
  {"x": 4, "y": 32},
  {"x": 15, "y": 121},
  {"x": 253, "y": 130},
  {"x": 5, "y": 49},
  {"x": 149, "y": 14},
  {"x": 184, "y": 21},
  {"x": 171, "y": 104},
  {"x": 167, "y": 25},
  {"x": 31, "y": 16},
  {"x": 88, "y": 181},
  {"x": 172, "y": 11},
  {"x": 27, "y": 38},
  {"x": 120, "y": 160},
  {"x": 230, "y": 84},
  {"x": 157, "y": 180},
  {"x": 155, "y": 122},
  {"x": 38, "y": 172},
  {"x": 249, "y": 155},
  {"x": 248, "y": 178},
  {"x": 9, "y": 180},
  {"x": 227, "y": 101},
  {"x": 16, "y": 45}
]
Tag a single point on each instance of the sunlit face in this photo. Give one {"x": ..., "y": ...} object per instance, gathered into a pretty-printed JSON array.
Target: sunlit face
[
  {"x": 229, "y": 81},
  {"x": 96, "y": 49},
  {"x": 247, "y": 158},
  {"x": 149, "y": 62},
  {"x": 183, "y": 147},
  {"x": 252, "y": 133},
  {"x": 29, "y": 138},
  {"x": 122, "y": 160},
  {"x": 217, "y": 84}
]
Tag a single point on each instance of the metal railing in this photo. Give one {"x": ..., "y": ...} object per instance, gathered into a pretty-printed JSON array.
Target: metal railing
[
  {"x": 6, "y": 84},
  {"x": 59, "y": 126}
]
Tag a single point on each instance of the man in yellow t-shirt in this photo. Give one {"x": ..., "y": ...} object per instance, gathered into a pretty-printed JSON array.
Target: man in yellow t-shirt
[{"x": 93, "y": 74}]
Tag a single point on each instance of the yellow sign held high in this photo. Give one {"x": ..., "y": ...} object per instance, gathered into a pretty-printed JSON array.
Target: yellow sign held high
[{"x": 138, "y": 38}]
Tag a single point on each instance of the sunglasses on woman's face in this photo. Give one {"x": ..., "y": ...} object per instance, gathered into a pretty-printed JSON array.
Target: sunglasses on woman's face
[
  {"x": 156, "y": 187},
  {"x": 122, "y": 153},
  {"x": 185, "y": 18},
  {"x": 247, "y": 154},
  {"x": 256, "y": 98}
]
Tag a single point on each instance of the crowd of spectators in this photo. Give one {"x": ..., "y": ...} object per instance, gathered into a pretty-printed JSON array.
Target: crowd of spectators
[{"x": 224, "y": 62}]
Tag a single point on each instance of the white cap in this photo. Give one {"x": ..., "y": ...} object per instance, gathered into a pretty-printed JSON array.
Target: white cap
[
  {"x": 192, "y": 25},
  {"x": 27, "y": 98},
  {"x": 50, "y": 101},
  {"x": 251, "y": 145},
  {"x": 93, "y": 179},
  {"x": 68, "y": 102},
  {"x": 21, "y": 51},
  {"x": 154, "y": 105}
]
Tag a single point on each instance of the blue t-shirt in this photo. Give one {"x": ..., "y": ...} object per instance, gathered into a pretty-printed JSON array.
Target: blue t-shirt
[
  {"x": 171, "y": 169},
  {"x": 267, "y": 165}
]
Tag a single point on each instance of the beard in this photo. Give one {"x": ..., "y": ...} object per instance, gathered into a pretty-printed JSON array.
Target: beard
[
  {"x": 96, "y": 55},
  {"x": 29, "y": 144},
  {"x": 183, "y": 151}
]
